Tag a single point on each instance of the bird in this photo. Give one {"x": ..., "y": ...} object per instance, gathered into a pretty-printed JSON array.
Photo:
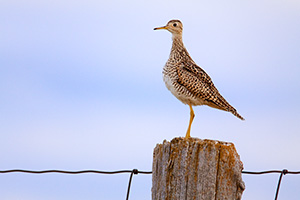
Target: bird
[{"x": 188, "y": 82}]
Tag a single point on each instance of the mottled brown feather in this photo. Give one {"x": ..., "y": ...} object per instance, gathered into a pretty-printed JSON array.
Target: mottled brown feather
[
  {"x": 186, "y": 80},
  {"x": 198, "y": 82}
]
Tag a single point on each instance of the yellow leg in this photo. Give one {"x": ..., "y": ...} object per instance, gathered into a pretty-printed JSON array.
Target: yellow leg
[{"x": 192, "y": 115}]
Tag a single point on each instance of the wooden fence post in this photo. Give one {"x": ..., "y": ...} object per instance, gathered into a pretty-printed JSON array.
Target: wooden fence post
[{"x": 195, "y": 169}]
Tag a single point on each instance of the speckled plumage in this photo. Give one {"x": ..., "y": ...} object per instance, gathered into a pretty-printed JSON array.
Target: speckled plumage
[{"x": 186, "y": 80}]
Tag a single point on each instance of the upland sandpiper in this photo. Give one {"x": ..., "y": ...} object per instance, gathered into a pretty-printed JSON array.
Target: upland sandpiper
[{"x": 187, "y": 81}]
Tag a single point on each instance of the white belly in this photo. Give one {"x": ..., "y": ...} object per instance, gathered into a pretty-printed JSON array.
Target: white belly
[{"x": 180, "y": 92}]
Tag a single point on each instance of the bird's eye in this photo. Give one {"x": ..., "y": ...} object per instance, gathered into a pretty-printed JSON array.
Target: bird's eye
[{"x": 174, "y": 24}]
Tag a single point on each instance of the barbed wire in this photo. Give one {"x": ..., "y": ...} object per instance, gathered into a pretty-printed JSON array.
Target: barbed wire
[{"x": 136, "y": 171}]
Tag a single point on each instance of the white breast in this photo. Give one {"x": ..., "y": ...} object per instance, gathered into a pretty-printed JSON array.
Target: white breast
[{"x": 181, "y": 93}]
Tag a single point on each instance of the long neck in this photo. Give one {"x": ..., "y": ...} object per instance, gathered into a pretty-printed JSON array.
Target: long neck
[
  {"x": 178, "y": 51},
  {"x": 177, "y": 43}
]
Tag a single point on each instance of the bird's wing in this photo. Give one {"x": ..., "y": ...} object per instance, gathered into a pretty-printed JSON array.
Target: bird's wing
[{"x": 197, "y": 81}]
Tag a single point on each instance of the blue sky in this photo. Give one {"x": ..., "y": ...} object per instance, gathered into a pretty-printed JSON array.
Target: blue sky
[{"x": 81, "y": 88}]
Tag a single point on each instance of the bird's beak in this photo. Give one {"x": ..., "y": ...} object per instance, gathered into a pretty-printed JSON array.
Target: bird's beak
[{"x": 159, "y": 28}]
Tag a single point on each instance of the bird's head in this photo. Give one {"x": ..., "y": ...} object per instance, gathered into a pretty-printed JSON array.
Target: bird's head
[{"x": 174, "y": 26}]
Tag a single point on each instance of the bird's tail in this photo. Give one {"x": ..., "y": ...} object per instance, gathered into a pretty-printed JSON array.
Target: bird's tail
[
  {"x": 236, "y": 114},
  {"x": 226, "y": 107}
]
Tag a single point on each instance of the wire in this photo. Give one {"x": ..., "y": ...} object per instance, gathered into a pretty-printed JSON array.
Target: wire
[
  {"x": 136, "y": 171},
  {"x": 71, "y": 172},
  {"x": 272, "y": 171},
  {"x": 279, "y": 182},
  {"x": 282, "y": 172}
]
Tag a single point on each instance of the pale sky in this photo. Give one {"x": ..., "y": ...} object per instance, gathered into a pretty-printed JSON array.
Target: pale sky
[{"x": 81, "y": 88}]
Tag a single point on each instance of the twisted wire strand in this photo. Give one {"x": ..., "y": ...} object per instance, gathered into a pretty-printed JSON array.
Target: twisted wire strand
[
  {"x": 136, "y": 171},
  {"x": 285, "y": 171},
  {"x": 71, "y": 172},
  {"x": 132, "y": 172}
]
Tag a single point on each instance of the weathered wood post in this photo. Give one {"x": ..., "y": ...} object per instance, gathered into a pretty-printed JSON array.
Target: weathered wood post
[{"x": 195, "y": 169}]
